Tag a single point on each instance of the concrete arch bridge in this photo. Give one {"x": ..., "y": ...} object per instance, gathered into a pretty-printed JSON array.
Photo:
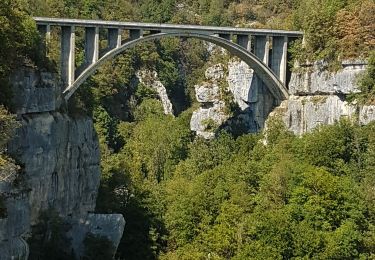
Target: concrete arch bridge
[{"x": 265, "y": 51}]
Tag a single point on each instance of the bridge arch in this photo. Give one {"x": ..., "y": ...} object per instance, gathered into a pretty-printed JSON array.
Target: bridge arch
[{"x": 272, "y": 82}]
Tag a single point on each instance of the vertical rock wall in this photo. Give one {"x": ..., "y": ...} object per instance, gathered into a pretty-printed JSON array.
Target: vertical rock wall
[
  {"x": 252, "y": 97},
  {"x": 60, "y": 160}
]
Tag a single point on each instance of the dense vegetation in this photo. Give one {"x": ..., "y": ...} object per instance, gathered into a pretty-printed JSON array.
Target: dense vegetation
[
  {"x": 366, "y": 83},
  {"x": 238, "y": 198},
  {"x": 188, "y": 198},
  {"x": 15, "y": 49}
]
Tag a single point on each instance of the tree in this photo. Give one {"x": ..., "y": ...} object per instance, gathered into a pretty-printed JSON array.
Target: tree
[{"x": 18, "y": 41}]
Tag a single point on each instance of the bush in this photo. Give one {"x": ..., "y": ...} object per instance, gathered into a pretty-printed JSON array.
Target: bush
[
  {"x": 98, "y": 248},
  {"x": 18, "y": 41}
]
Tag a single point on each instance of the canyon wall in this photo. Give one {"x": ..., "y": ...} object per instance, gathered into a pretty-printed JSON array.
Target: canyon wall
[{"x": 59, "y": 162}]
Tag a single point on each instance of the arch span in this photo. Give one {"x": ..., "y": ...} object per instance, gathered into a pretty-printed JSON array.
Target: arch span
[{"x": 275, "y": 86}]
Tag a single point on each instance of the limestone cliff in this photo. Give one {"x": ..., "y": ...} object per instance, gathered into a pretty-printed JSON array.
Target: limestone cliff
[
  {"x": 206, "y": 119},
  {"x": 250, "y": 95},
  {"x": 319, "y": 97},
  {"x": 150, "y": 79},
  {"x": 60, "y": 160}
]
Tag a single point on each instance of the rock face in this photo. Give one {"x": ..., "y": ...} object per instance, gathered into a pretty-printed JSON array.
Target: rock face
[
  {"x": 15, "y": 223},
  {"x": 110, "y": 226},
  {"x": 206, "y": 119},
  {"x": 60, "y": 161},
  {"x": 150, "y": 79},
  {"x": 301, "y": 114},
  {"x": 240, "y": 77},
  {"x": 366, "y": 114},
  {"x": 252, "y": 96},
  {"x": 35, "y": 91},
  {"x": 207, "y": 93},
  {"x": 314, "y": 79},
  {"x": 254, "y": 100},
  {"x": 318, "y": 97}
]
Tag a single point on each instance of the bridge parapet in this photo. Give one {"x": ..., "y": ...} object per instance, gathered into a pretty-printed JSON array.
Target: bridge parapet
[{"x": 263, "y": 49}]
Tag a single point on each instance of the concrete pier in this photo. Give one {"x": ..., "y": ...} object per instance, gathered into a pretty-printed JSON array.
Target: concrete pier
[
  {"x": 262, "y": 48},
  {"x": 91, "y": 45},
  {"x": 135, "y": 34},
  {"x": 67, "y": 54},
  {"x": 244, "y": 41},
  {"x": 114, "y": 38},
  {"x": 279, "y": 56}
]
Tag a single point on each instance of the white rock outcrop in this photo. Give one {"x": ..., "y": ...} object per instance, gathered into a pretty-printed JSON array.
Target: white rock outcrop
[
  {"x": 205, "y": 121},
  {"x": 215, "y": 72},
  {"x": 254, "y": 100},
  {"x": 240, "y": 77},
  {"x": 367, "y": 114},
  {"x": 318, "y": 98},
  {"x": 150, "y": 79},
  {"x": 110, "y": 226},
  {"x": 315, "y": 79},
  {"x": 207, "y": 93},
  {"x": 302, "y": 114}
]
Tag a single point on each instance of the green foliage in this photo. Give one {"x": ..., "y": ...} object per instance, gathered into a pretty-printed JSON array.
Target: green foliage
[
  {"x": 216, "y": 14},
  {"x": 244, "y": 200},
  {"x": 210, "y": 124},
  {"x": 157, "y": 143},
  {"x": 18, "y": 41},
  {"x": 147, "y": 109},
  {"x": 160, "y": 11},
  {"x": 97, "y": 247},
  {"x": 8, "y": 125},
  {"x": 334, "y": 29},
  {"x": 106, "y": 127},
  {"x": 366, "y": 84}
]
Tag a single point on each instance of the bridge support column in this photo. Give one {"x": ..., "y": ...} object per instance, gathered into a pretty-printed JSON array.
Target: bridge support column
[
  {"x": 67, "y": 54},
  {"x": 91, "y": 45},
  {"x": 135, "y": 34},
  {"x": 225, "y": 36},
  {"x": 114, "y": 38},
  {"x": 279, "y": 56},
  {"x": 262, "y": 48},
  {"x": 244, "y": 41},
  {"x": 45, "y": 32}
]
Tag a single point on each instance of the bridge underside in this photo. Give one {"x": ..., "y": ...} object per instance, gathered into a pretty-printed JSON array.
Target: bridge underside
[{"x": 265, "y": 51}]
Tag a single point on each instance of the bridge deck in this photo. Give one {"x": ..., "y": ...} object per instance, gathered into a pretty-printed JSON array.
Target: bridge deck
[{"x": 165, "y": 27}]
